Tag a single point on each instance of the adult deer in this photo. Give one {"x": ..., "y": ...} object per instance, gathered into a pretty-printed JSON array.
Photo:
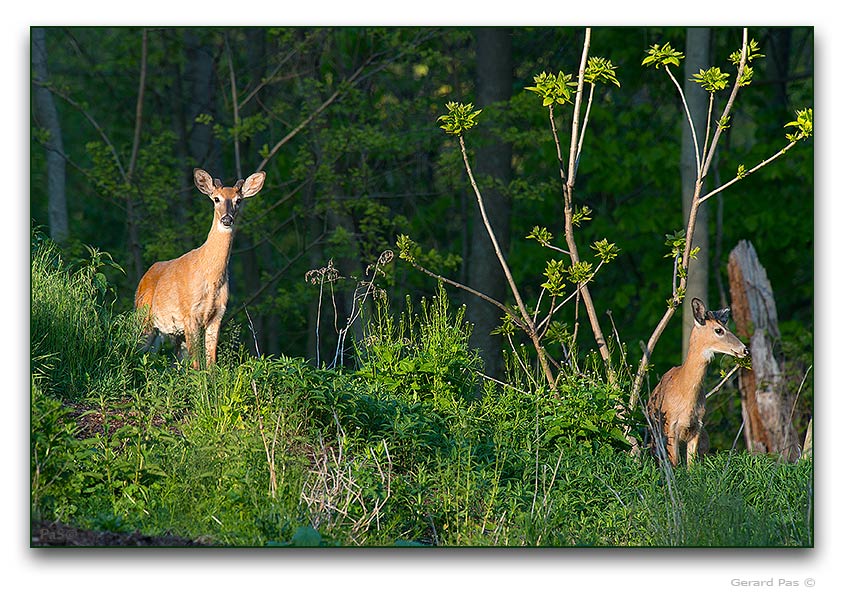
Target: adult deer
[
  {"x": 677, "y": 404},
  {"x": 186, "y": 298}
]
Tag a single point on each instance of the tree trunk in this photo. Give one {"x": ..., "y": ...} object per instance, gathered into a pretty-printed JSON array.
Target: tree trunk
[
  {"x": 492, "y": 161},
  {"x": 48, "y": 118},
  {"x": 697, "y": 58},
  {"x": 766, "y": 407}
]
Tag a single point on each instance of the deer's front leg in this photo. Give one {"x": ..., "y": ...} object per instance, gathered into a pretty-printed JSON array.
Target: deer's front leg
[
  {"x": 212, "y": 334},
  {"x": 193, "y": 343},
  {"x": 673, "y": 447},
  {"x": 691, "y": 449}
]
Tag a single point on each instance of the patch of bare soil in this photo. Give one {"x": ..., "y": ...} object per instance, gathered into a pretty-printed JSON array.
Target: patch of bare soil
[{"x": 56, "y": 534}]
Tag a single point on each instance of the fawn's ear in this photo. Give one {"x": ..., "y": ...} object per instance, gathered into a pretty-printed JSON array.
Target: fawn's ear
[
  {"x": 253, "y": 184},
  {"x": 699, "y": 311},
  {"x": 203, "y": 181}
]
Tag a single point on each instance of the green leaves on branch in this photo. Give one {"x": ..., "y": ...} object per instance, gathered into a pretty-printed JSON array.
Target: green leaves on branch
[
  {"x": 583, "y": 214},
  {"x": 752, "y": 53},
  {"x": 677, "y": 245},
  {"x": 711, "y": 80},
  {"x": 600, "y": 70},
  {"x": 662, "y": 56},
  {"x": 541, "y": 234},
  {"x": 804, "y": 125},
  {"x": 605, "y": 250},
  {"x": 408, "y": 249},
  {"x": 580, "y": 272},
  {"x": 555, "y": 273},
  {"x": 460, "y": 117},
  {"x": 554, "y": 89}
]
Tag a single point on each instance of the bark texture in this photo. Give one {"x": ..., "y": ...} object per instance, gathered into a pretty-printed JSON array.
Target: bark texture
[{"x": 766, "y": 405}]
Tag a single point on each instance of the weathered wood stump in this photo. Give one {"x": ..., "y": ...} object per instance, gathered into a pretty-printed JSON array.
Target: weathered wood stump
[{"x": 766, "y": 406}]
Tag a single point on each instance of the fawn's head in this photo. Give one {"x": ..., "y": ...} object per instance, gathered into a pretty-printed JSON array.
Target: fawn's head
[
  {"x": 227, "y": 199},
  {"x": 710, "y": 334}
]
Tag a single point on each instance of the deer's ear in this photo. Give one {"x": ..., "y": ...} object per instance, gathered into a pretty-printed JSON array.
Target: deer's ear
[
  {"x": 722, "y": 315},
  {"x": 203, "y": 181},
  {"x": 699, "y": 311},
  {"x": 253, "y": 184}
]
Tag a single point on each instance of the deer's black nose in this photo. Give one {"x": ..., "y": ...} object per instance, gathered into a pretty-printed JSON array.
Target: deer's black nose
[{"x": 227, "y": 220}]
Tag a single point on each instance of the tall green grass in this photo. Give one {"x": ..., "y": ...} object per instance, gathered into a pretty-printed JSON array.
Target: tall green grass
[
  {"x": 78, "y": 345},
  {"x": 413, "y": 447}
]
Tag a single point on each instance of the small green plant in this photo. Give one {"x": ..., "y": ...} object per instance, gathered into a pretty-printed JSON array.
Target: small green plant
[
  {"x": 460, "y": 118},
  {"x": 555, "y": 89}
]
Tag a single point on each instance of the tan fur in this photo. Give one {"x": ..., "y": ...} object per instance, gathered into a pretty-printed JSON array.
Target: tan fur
[
  {"x": 677, "y": 404},
  {"x": 186, "y": 297}
]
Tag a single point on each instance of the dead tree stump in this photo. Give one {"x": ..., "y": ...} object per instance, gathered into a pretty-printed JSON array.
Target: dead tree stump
[{"x": 765, "y": 404}]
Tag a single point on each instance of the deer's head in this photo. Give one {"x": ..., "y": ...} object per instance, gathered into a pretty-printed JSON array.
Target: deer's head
[
  {"x": 227, "y": 199},
  {"x": 711, "y": 335}
]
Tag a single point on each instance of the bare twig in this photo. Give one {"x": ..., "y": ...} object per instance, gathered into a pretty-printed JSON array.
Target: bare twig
[{"x": 722, "y": 382}]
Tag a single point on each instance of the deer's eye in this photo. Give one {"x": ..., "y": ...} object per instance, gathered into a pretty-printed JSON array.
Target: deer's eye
[
  {"x": 719, "y": 331},
  {"x": 216, "y": 199}
]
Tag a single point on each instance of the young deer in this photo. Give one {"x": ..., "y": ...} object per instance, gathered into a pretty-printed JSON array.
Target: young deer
[
  {"x": 186, "y": 297},
  {"x": 677, "y": 404}
]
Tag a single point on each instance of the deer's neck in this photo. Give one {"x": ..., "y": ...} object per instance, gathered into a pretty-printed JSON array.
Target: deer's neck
[
  {"x": 216, "y": 250},
  {"x": 694, "y": 367}
]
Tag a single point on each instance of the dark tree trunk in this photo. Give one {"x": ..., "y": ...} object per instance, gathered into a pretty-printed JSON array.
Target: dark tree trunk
[
  {"x": 48, "y": 118},
  {"x": 697, "y": 58},
  {"x": 492, "y": 166}
]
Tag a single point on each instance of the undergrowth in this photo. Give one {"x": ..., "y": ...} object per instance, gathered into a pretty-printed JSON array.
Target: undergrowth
[{"x": 413, "y": 447}]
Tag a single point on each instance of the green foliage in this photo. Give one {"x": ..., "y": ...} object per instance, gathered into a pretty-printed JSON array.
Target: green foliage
[
  {"x": 712, "y": 80},
  {"x": 600, "y": 70},
  {"x": 411, "y": 449},
  {"x": 460, "y": 117},
  {"x": 67, "y": 308},
  {"x": 587, "y": 412},
  {"x": 662, "y": 56},
  {"x": 606, "y": 251},
  {"x": 555, "y": 274},
  {"x": 803, "y": 123},
  {"x": 753, "y": 52},
  {"x": 425, "y": 357},
  {"x": 557, "y": 89},
  {"x": 541, "y": 235}
]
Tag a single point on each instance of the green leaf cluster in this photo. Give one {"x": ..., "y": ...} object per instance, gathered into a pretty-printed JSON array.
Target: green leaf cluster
[
  {"x": 804, "y": 125},
  {"x": 555, "y": 274},
  {"x": 712, "y": 80},
  {"x": 600, "y": 70},
  {"x": 580, "y": 272},
  {"x": 555, "y": 89},
  {"x": 662, "y": 56},
  {"x": 605, "y": 250},
  {"x": 460, "y": 117},
  {"x": 541, "y": 235},
  {"x": 676, "y": 242},
  {"x": 752, "y": 53}
]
